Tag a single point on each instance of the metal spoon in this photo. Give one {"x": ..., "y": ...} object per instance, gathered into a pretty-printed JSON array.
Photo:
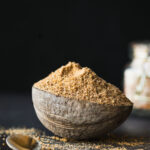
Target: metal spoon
[{"x": 22, "y": 142}]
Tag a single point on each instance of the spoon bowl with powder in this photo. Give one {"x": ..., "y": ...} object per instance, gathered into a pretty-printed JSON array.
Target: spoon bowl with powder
[
  {"x": 22, "y": 142},
  {"x": 73, "y": 102}
]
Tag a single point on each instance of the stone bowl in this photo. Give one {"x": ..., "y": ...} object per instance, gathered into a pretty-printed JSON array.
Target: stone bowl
[{"x": 77, "y": 119}]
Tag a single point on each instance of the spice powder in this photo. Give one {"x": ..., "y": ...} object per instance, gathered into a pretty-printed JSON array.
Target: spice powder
[{"x": 80, "y": 83}]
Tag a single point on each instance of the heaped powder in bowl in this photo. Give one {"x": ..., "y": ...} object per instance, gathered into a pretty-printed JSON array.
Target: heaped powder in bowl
[{"x": 80, "y": 83}]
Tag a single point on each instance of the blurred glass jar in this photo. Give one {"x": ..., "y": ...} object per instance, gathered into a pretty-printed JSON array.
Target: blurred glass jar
[{"x": 137, "y": 76}]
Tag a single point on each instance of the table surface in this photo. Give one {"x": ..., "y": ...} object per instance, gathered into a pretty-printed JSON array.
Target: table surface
[{"x": 16, "y": 110}]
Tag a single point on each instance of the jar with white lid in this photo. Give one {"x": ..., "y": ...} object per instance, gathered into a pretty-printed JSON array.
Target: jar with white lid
[{"x": 137, "y": 76}]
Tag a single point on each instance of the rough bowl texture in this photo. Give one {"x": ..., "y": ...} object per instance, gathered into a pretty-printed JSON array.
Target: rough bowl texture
[{"x": 77, "y": 119}]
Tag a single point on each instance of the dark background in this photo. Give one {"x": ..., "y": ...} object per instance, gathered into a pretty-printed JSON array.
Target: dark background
[{"x": 37, "y": 38}]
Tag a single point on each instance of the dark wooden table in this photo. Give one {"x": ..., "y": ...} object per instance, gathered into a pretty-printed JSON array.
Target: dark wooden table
[{"x": 16, "y": 110}]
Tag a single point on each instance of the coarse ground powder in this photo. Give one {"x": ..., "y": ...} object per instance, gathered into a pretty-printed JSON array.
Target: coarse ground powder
[{"x": 80, "y": 83}]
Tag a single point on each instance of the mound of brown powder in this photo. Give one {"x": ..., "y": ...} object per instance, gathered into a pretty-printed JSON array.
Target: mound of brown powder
[{"x": 81, "y": 83}]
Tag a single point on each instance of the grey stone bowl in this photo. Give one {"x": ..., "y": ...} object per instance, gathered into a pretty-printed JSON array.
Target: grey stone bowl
[{"x": 77, "y": 119}]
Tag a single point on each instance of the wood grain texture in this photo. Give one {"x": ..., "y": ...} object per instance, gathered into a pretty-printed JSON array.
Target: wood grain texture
[{"x": 77, "y": 119}]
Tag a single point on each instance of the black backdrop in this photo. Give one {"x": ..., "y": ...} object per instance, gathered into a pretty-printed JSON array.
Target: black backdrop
[{"x": 37, "y": 38}]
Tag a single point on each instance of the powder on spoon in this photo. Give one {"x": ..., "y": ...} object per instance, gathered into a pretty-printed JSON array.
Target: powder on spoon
[{"x": 80, "y": 83}]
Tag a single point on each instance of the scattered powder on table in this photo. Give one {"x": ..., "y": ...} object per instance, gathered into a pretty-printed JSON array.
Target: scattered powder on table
[
  {"x": 80, "y": 83},
  {"x": 110, "y": 142}
]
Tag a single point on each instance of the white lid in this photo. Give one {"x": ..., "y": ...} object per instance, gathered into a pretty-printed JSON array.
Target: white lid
[{"x": 141, "y": 50}]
